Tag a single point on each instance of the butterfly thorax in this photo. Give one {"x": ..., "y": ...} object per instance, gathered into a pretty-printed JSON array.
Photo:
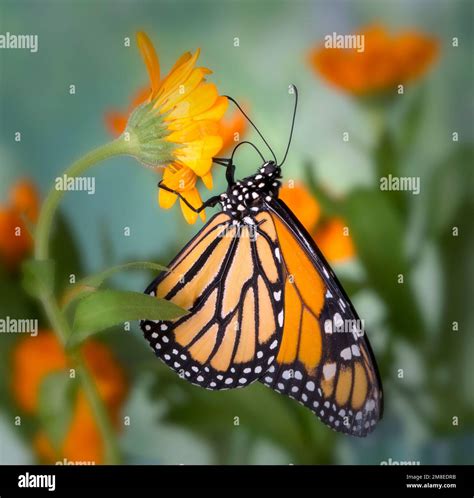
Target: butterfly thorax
[{"x": 245, "y": 197}]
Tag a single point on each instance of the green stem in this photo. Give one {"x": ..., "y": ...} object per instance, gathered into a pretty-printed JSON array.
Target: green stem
[
  {"x": 56, "y": 317},
  {"x": 43, "y": 229}
]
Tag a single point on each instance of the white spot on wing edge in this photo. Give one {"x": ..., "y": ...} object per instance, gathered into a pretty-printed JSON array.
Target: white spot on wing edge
[
  {"x": 355, "y": 350},
  {"x": 277, "y": 254},
  {"x": 338, "y": 321},
  {"x": 280, "y": 318}
]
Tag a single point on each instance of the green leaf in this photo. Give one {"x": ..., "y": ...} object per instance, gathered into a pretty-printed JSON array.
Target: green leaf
[
  {"x": 38, "y": 277},
  {"x": 98, "y": 279},
  {"x": 65, "y": 253},
  {"x": 411, "y": 120},
  {"x": 57, "y": 394},
  {"x": 450, "y": 186},
  {"x": 103, "y": 309},
  {"x": 377, "y": 230},
  {"x": 386, "y": 158},
  {"x": 330, "y": 206},
  {"x": 91, "y": 283}
]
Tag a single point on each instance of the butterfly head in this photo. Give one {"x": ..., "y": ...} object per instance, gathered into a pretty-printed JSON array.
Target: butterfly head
[{"x": 246, "y": 196}]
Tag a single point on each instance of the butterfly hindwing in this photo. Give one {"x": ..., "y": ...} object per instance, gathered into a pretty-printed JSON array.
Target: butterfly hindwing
[
  {"x": 324, "y": 360},
  {"x": 229, "y": 279}
]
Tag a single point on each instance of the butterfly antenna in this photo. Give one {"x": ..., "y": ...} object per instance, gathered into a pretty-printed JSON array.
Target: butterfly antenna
[
  {"x": 292, "y": 124},
  {"x": 246, "y": 143},
  {"x": 253, "y": 124}
]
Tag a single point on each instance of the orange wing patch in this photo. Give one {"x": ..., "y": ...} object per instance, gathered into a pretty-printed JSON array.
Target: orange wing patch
[
  {"x": 291, "y": 328},
  {"x": 304, "y": 299},
  {"x": 179, "y": 272},
  {"x": 188, "y": 330},
  {"x": 230, "y": 280},
  {"x": 301, "y": 270},
  {"x": 310, "y": 346},
  {"x": 323, "y": 366},
  {"x": 246, "y": 349}
]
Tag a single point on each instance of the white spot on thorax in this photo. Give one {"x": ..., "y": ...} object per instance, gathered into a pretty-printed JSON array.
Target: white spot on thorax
[{"x": 249, "y": 220}]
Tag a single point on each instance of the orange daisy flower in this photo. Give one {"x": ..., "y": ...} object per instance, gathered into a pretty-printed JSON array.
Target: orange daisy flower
[
  {"x": 22, "y": 208},
  {"x": 330, "y": 234},
  {"x": 303, "y": 204},
  {"x": 232, "y": 129},
  {"x": 334, "y": 240},
  {"x": 36, "y": 357},
  {"x": 386, "y": 61},
  {"x": 175, "y": 125}
]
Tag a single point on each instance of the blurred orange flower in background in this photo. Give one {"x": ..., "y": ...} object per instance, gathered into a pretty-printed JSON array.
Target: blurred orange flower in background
[
  {"x": 330, "y": 237},
  {"x": 329, "y": 234},
  {"x": 386, "y": 61},
  {"x": 36, "y": 357},
  {"x": 232, "y": 129},
  {"x": 22, "y": 209},
  {"x": 302, "y": 203}
]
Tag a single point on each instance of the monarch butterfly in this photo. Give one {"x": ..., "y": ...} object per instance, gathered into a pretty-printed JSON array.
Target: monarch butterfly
[{"x": 264, "y": 305}]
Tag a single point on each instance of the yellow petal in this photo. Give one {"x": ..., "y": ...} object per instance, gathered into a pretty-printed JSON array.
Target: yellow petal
[
  {"x": 151, "y": 59},
  {"x": 166, "y": 199},
  {"x": 198, "y": 101},
  {"x": 181, "y": 91},
  {"x": 207, "y": 147},
  {"x": 207, "y": 180},
  {"x": 216, "y": 112},
  {"x": 177, "y": 76},
  {"x": 194, "y": 131},
  {"x": 201, "y": 167},
  {"x": 184, "y": 58},
  {"x": 193, "y": 197},
  {"x": 198, "y": 155},
  {"x": 179, "y": 177}
]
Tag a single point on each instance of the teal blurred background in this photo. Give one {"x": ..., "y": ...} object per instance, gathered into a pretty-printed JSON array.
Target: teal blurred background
[{"x": 81, "y": 43}]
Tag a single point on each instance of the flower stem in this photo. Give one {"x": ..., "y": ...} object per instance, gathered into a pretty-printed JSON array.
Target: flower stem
[
  {"x": 43, "y": 229},
  {"x": 56, "y": 317}
]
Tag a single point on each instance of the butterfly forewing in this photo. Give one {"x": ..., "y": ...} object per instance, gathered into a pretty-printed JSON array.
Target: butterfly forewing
[
  {"x": 230, "y": 280},
  {"x": 324, "y": 360}
]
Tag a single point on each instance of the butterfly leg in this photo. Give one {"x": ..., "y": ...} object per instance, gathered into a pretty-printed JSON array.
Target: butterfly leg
[
  {"x": 211, "y": 202},
  {"x": 230, "y": 168}
]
